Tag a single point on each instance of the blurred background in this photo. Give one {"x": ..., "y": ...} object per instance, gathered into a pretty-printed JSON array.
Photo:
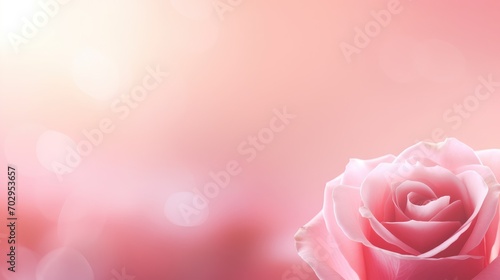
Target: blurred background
[{"x": 190, "y": 139}]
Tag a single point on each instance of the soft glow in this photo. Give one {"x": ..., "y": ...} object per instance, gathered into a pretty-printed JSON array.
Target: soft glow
[
  {"x": 63, "y": 264},
  {"x": 12, "y": 11},
  {"x": 95, "y": 74},
  {"x": 77, "y": 222},
  {"x": 20, "y": 147},
  {"x": 193, "y": 9},
  {"x": 55, "y": 147},
  {"x": 181, "y": 211}
]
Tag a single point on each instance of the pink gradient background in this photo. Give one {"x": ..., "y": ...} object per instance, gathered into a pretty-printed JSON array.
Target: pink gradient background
[{"x": 227, "y": 76}]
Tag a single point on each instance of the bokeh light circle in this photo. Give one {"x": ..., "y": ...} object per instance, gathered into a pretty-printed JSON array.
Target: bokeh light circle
[{"x": 64, "y": 264}]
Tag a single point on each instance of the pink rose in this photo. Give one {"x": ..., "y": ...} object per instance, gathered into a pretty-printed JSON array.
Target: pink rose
[{"x": 430, "y": 213}]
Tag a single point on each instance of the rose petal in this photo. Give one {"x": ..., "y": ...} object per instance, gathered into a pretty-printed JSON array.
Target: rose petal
[
  {"x": 419, "y": 199},
  {"x": 475, "y": 185},
  {"x": 328, "y": 213},
  {"x": 427, "y": 211},
  {"x": 402, "y": 191},
  {"x": 478, "y": 190},
  {"x": 384, "y": 233},
  {"x": 491, "y": 158},
  {"x": 490, "y": 272},
  {"x": 422, "y": 235},
  {"x": 320, "y": 250},
  {"x": 357, "y": 169},
  {"x": 453, "y": 212},
  {"x": 492, "y": 238},
  {"x": 376, "y": 191},
  {"x": 490, "y": 205},
  {"x": 399, "y": 216},
  {"x": 385, "y": 265},
  {"x": 443, "y": 183},
  {"x": 450, "y": 154},
  {"x": 346, "y": 204},
  {"x": 377, "y": 187},
  {"x": 351, "y": 251},
  {"x": 486, "y": 214},
  {"x": 484, "y": 171}
]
